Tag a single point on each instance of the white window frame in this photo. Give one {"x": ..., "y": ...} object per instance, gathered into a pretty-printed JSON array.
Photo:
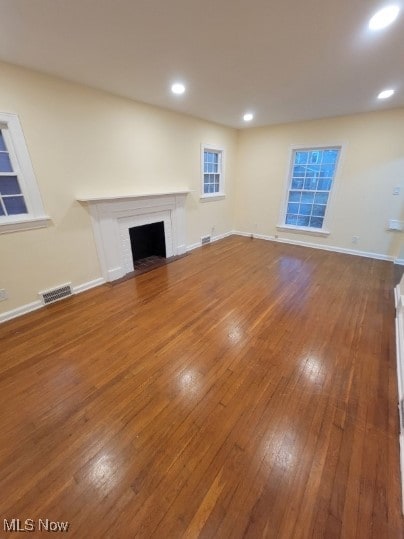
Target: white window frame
[
  {"x": 22, "y": 168},
  {"x": 221, "y": 193},
  {"x": 324, "y": 231}
]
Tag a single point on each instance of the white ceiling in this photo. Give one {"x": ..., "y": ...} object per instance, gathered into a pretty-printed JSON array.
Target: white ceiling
[{"x": 285, "y": 61}]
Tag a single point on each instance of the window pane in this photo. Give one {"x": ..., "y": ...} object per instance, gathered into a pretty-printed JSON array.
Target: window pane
[
  {"x": 315, "y": 156},
  {"x": 301, "y": 158},
  {"x": 294, "y": 196},
  {"x": 291, "y": 219},
  {"x": 305, "y": 209},
  {"x": 316, "y": 222},
  {"x": 2, "y": 143},
  {"x": 319, "y": 210},
  {"x": 330, "y": 156},
  {"x": 324, "y": 185},
  {"x": 327, "y": 171},
  {"x": 310, "y": 184},
  {"x": 297, "y": 183},
  {"x": 5, "y": 165},
  {"x": 15, "y": 205},
  {"x": 303, "y": 221},
  {"x": 313, "y": 171},
  {"x": 9, "y": 185},
  {"x": 321, "y": 198},
  {"x": 307, "y": 198},
  {"x": 216, "y": 157},
  {"x": 299, "y": 171},
  {"x": 293, "y": 208}
]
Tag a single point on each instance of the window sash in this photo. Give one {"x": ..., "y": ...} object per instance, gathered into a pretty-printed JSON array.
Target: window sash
[
  {"x": 23, "y": 210},
  {"x": 311, "y": 178},
  {"x": 212, "y": 171}
]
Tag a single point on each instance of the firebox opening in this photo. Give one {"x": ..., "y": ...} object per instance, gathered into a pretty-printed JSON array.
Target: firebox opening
[{"x": 148, "y": 241}]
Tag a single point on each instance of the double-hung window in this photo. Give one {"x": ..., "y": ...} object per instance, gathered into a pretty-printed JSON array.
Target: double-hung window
[
  {"x": 212, "y": 165},
  {"x": 311, "y": 178},
  {"x": 20, "y": 201}
]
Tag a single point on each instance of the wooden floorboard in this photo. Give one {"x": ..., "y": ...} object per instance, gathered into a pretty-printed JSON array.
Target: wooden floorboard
[{"x": 246, "y": 390}]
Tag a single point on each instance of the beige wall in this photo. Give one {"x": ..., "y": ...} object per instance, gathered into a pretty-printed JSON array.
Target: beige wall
[
  {"x": 371, "y": 165},
  {"x": 83, "y": 141}
]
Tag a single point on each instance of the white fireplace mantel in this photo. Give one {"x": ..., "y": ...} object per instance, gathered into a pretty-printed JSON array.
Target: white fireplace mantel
[{"x": 113, "y": 216}]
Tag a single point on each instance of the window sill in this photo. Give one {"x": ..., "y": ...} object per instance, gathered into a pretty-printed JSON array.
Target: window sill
[
  {"x": 29, "y": 223},
  {"x": 215, "y": 196},
  {"x": 302, "y": 230}
]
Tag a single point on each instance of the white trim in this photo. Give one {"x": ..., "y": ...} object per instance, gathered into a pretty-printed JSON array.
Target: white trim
[
  {"x": 212, "y": 196},
  {"x": 399, "y": 261},
  {"x": 301, "y": 230},
  {"x": 106, "y": 198},
  {"x": 331, "y": 248},
  {"x": 397, "y": 296},
  {"x": 88, "y": 286},
  {"x": 212, "y": 239},
  {"x": 24, "y": 224},
  {"x": 22, "y": 168},
  {"x": 35, "y": 305},
  {"x": 19, "y": 311},
  {"x": 222, "y": 162}
]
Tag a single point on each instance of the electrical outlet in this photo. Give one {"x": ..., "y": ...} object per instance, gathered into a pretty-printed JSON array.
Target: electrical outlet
[
  {"x": 3, "y": 294},
  {"x": 396, "y": 190},
  {"x": 355, "y": 239}
]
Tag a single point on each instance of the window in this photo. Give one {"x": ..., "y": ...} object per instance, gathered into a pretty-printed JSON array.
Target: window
[
  {"x": 212, "y": 161},
  {"x": 20, "y": 201},
  {"x": 311, "y": 179}
]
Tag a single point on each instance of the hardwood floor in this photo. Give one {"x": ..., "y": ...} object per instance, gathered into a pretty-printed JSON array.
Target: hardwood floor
[{"x": 246, "y": 390}]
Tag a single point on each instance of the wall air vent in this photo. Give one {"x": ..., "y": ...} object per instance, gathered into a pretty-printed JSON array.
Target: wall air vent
[
  {"x": 56, "y": 294},
  {"x": 205, "y": 239}
]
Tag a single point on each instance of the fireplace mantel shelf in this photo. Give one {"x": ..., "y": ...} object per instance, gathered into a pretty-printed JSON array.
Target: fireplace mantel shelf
[{"x": 105, "y": 198}]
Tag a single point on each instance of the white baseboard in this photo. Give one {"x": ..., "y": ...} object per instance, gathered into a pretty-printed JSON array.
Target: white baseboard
[
  {"x": 213, "y": 238},
  {"x": 332, "y": 248},
  {"x": 19, "y": 311},
  {"x": 87, "y": 286},
  {"x": 399, "y": 261},
  {"x": 35, "y": 305}
]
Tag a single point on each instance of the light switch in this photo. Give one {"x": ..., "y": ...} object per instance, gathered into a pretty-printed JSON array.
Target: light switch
[{"x": 396, "y": 190}]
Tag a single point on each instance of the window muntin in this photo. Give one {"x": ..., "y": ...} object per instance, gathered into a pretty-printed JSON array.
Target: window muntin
[
  {"x": 212, "y": 164},
  {"x": 311, "y": 180},
  {"x": 12, "y": 201}
]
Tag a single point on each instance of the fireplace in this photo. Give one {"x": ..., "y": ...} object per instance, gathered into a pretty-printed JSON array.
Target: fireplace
[
  {"x": 114, "y": 217},
  {"x": 147, "y": 241}
]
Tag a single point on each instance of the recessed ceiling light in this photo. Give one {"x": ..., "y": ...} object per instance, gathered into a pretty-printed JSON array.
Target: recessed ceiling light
[
  {"x": 248, "y": 116},
  {"x": 385, "y": 94},
  {"x": 178, "y": 88},
  {"x": 384, "y": 17}
]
